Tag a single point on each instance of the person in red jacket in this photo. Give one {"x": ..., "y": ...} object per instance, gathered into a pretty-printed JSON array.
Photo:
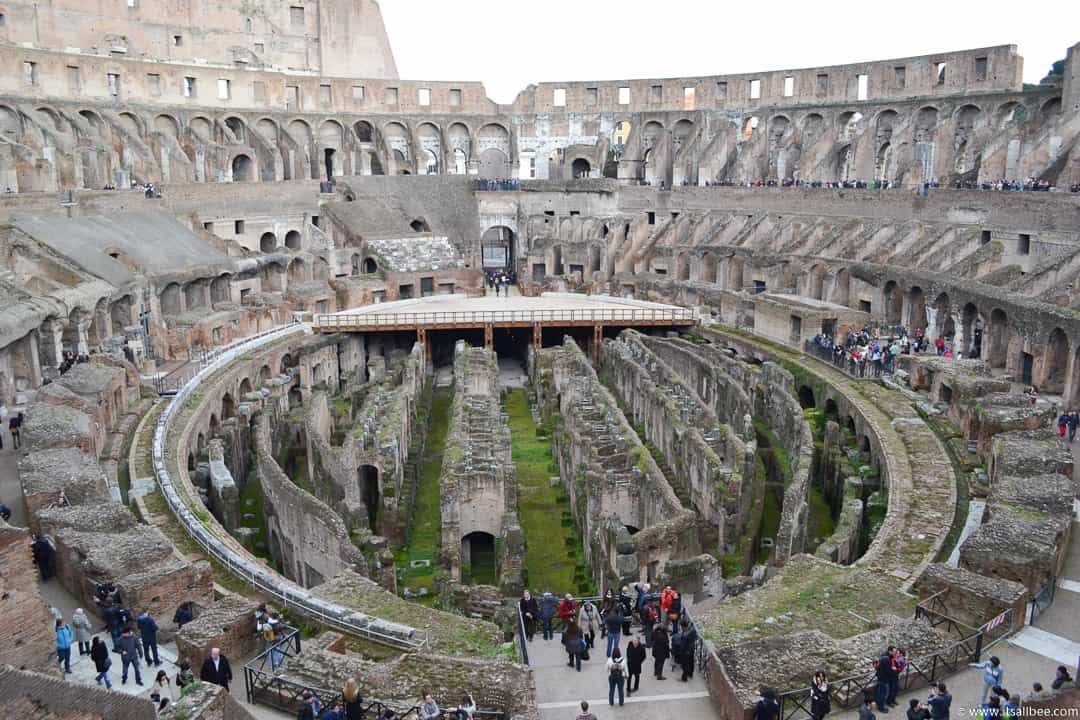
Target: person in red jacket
[{"x": 568, "y": 609}]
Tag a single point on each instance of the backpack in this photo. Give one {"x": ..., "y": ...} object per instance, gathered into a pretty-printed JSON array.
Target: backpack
[
  {"x": 268, "y": 632},
  {"x": 616, "y": 672}
]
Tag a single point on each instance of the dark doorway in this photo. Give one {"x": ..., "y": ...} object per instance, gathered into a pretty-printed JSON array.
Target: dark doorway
[
  {"x": 1029, "y": 363},
  {"x": 806, "y": 397},
  {"x": 478, "y": 559},
  {"x": 328, "y": 156},
  {"x": 369, "y": 491}
]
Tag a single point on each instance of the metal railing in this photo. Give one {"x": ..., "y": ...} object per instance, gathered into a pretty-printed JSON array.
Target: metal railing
[
  {"x": 1042, "y": 600},
  {"x": 589, "y": 316},
  {"x": 524, "y": 640},
  {"x": 865, "y": 370},
  {"x": 240, "y": 565},
  {"x": 919, "y": 672}
]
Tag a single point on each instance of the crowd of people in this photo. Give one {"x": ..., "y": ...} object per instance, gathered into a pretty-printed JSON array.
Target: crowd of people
[
  {"x": 865, "y": 353},
  {"x": 489, "y": 185},
  {"x": 500, "y": 280},
  {"x": 665, "y": 629},
  {"x": 1002, "y": 185}
]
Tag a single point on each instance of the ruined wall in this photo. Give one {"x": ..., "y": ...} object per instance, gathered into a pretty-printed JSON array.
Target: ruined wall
[
  {"x": 229, "y": 625},
  {"x": 27, "y": 637},
  {"x": 631, "y": 518},
  {"x": 477, "y": 484},
  {"x": 710, "y": 464},
  {"x": 307, "y": 537},
  {"x": 30, "y": 694}
]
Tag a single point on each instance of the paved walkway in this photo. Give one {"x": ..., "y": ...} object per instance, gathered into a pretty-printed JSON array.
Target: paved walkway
[{"x": 560, "y": 689}]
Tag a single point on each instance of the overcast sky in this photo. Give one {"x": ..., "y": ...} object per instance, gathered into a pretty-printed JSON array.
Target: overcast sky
[{"x": 507, "y": 44}]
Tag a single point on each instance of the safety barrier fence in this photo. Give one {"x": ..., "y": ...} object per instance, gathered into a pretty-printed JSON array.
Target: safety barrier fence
[{"x": 479, "y": 318}]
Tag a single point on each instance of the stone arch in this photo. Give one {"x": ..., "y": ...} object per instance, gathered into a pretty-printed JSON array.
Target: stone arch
[
  {"x": 370, "y": 266},
  {"x": 170, "y": 299},
  {"x": 926, "y": 122},
  {"x": 219, "y": 289},
  {"x": 167, "y": 125},
  {"x": 1055, "y": 362},
  {"x": 268, "y": 129},
  {"x": 1051, "y": 107},
  {"x": 997, "y": 354},
  {"x": 494, "y": 164},
  {"x": 268, "y": 242},
  {"x": 293, "y": 240},
  {"x": 202, "y": 128},
  {"x": 892, "y": 302},
  {"x": 478, "y": 551},
  {"x": 497, "y": 247},
  {"x": 368, "y": 483},
  {"x": 581, "y": 168},
  {"x": 841, "y": 288},
  {"x": 297, "y": 271},
  {"x": 430, "y": 138},
  {"x": 812, "y": 125},
  {"x": 815, "y": 286},
  {"x": 364, "y": 131},
  {"x": 331, "y": 141},
  {"x": 943, "y": 322},
  {"x": 650, "y": 132},
  {"x": 270, "y": 277},
  {"x": 264, "y": 375},
  {"x": 228, "y": 406},
  {"x": 246, "y": 388},
  {"x": 91, "y": 117},
  {"x": 214, "y": 426},
  {"x": 195, "y": 294},
  {"x": 596, "y": 254},
  {"x": 845, "y": 161},
  {"x": 10, "y": 122},
  {"x": 1009, "y": 112},
  {"x": 970, "y": 326},
  {"x": 242, "y": 168},
  {"x": 916, "y": 309},
  {"x": 806, "y": 397},
  {"x": 120, "y": 314},
  {"x": 883, "y": 163},
  {"x": 847, "y": 124},
  {"x": 238, "y": 129},
  {"x": 131, "y": 123},
  {"x": 708, "y": 268}
]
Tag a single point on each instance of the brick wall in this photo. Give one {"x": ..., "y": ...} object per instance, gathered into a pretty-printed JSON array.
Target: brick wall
[
  {"x": 228, "y": 625},
  {"x": 27, "y": 692},
  {"x": 27, "y": 638}
]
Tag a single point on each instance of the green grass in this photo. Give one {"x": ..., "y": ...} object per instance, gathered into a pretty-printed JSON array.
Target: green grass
[
  {"x": 770, "y": 521},
  {"x": 426, "y": 526},
  {"x": 821, "y": 522},
  {"x": 554, "y": 558},
  {"x": 253, "y": 492}
]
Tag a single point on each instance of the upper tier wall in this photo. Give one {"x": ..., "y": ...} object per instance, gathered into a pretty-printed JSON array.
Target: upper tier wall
[{"x": 84, "y": 76}]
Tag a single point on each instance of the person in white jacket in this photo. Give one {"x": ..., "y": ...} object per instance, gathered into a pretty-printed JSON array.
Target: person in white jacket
[{"x": 589, "y": 622}]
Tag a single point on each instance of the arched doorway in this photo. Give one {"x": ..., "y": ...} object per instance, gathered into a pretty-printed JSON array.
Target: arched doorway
[
  {"x": 370, "y": 266},
  {"x": 581, "y": 168},
  {"x": 267, "y": 242},
  {"x": 806, "y": 397},
  {"x": 997, "y": 353},
  {"x": 1055, "y": 362},
  {"x": 916, "y": 309},
  {"x": 228, "y": 406},
  {"x": 292, "y": 240},
  {"x": 478, "y": 556},
  {"x": 595, "y": 256},
  {"x": 494, "y": 164},
  {"x": 497, "y": 248},
  {"x": 893, "y": 302},
  {"x": 328, "y": 162},
  {"x": 241, "y": 169},
  {"x": 369, "y": 492}
]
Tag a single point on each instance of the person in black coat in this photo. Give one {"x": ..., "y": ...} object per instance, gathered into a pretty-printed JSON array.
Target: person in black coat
[
  {"x": 99, "y": 653},
  {"x": 216, "y": 670},
  {"x": 530, "y": 612},
  {"x": 820, "y": 703},
  {"x": 635, "y": 657},
  {"x": 661, "y": 651}
]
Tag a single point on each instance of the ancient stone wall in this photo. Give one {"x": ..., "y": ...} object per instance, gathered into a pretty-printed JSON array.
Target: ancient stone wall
[
  {"x": 27, "y": 637},
  {"x": 229, "y": 625},
  {"x": 30, "y": 694},
  {"x": 477, "y": 484},
  {"x": 621, "y": 500},
  {"x": 206, "y": 701},
  {"x": 703, "y": 450}
]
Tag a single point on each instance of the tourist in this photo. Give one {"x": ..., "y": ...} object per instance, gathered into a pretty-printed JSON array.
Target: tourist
[
  {"x": 585, "y": 714},
  {"x": 939, "y": 702},
  {"x": 589, "y": 621},
  {"x": 310, "y": 707},
  {"x": 530, "y": 611},
  {"x": 184, "y": 676},
  {"x": 5, "y": 511},
  {"x": 820, "y": 701},
  {"x": 866, "y": 710},
  {"x": 261, "y": 615},
  {"x": 428, "y": 710},
  {"x": 99, "y": 653},
  {"x": 83, "y": 633},
  {"x": 626, "y": 605},
  {"x": 684, "y": 649},
  {"x": 616, "y": 669},
  {"x": 63, "y": 645},
  {"x": 567, "y": 609},
  {"x": 42, "y": 550},
  {"x": 163, "y": 687},
  {"x": 1032, "y": 395},
  {"x": 334, "y": 713},
  {"x": 898, "y": 664},
  {"x": 767, "y": 707},
  {"x": 993, "y": 674},
  {"x": 660, "y": 652},
  {"x": 642, "y": 590},
  {"x": 14, "y": 425},
  {"x": 607, "y": 606},
  {"x": 183, "y": 615},
  {"x": 548, "y": 604},
  {"x": 148, "y": 630},
  {"x": 354, "y": 709},
  {"x": 216, "y": 669},
  {"x": 1074, "y": 421},
  {"x": 635, "y": 657},
  {"x": 614, "y": 623},
  {"x": 464, "y": 711},
  {"x": 574, "y": 643},
  {"x": 1063, "y": 679},
  {"x": 883, "y": 669},
  {"x": 130, "y": 652},
  {"x": 1063, "y": 424},
  {"x": 990, "y": 709},
  {"x": 916, "y": 711},
  {"x": 649, "y": 617}
]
